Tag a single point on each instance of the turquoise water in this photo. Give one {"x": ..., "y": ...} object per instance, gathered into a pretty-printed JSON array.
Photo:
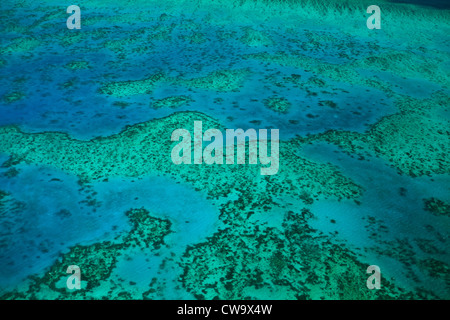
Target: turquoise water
[{"x": 363, "y": 117}]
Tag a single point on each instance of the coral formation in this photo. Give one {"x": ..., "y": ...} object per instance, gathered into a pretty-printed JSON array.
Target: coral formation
[
  {"x": 76, "y": 65},
  {"x": 437, "y": 207},
  {"x": 255, "y": 38},
  {"x": 265, "y": 263},
  {"x": 130, "y": 88},
  {"x": 97, "y": 105},
  {"x": 96, "y": 260},
  {"x": 278, "y": 104},
  {"x": 413, "y": 140},
  {"x": 145, "y": 148},
  {"x": 221, "y": 80},
  {"x": 13, "y": 96},
  {"x": 171, "y": 102}
]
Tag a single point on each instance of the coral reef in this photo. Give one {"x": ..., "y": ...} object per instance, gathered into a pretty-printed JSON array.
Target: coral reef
[
  {"x": 437, "y": 207},
  {"x": 255, "y": 262},
  {"x": 97, "y": 105},
  {"x": 129, "y": 88},
  {"x": 221, "y": 80},
  {"x": 21, "y": 45},
  {"x": 145, "y": 148},
  {"x": 255, "y": 38},
  {"x": 96, "y": 261},
  {"x": 13, "y": 96},
  {"x": 413, "y": 140},
  {"x": 278, "y": 104},
  {"x": 171, "y": 102},
  {"x": 77, "y": 65}
]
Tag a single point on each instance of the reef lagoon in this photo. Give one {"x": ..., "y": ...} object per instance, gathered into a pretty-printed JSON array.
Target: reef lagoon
[{"x": 87, "y": 178}]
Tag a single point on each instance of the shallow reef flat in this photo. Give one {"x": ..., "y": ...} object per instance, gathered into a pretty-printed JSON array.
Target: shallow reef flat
[
  {"x": 96, "y": 260},
  {"x": 221, "y": 80},
  {"x": 274, "y": 254},
  {"x": 266, "y": 263},
  {"x": 171, "y": 102},
  {"x": 414, "y": 140},
  {"x": 364, "y": 149},
  {"x": 401, "y": 64}
]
